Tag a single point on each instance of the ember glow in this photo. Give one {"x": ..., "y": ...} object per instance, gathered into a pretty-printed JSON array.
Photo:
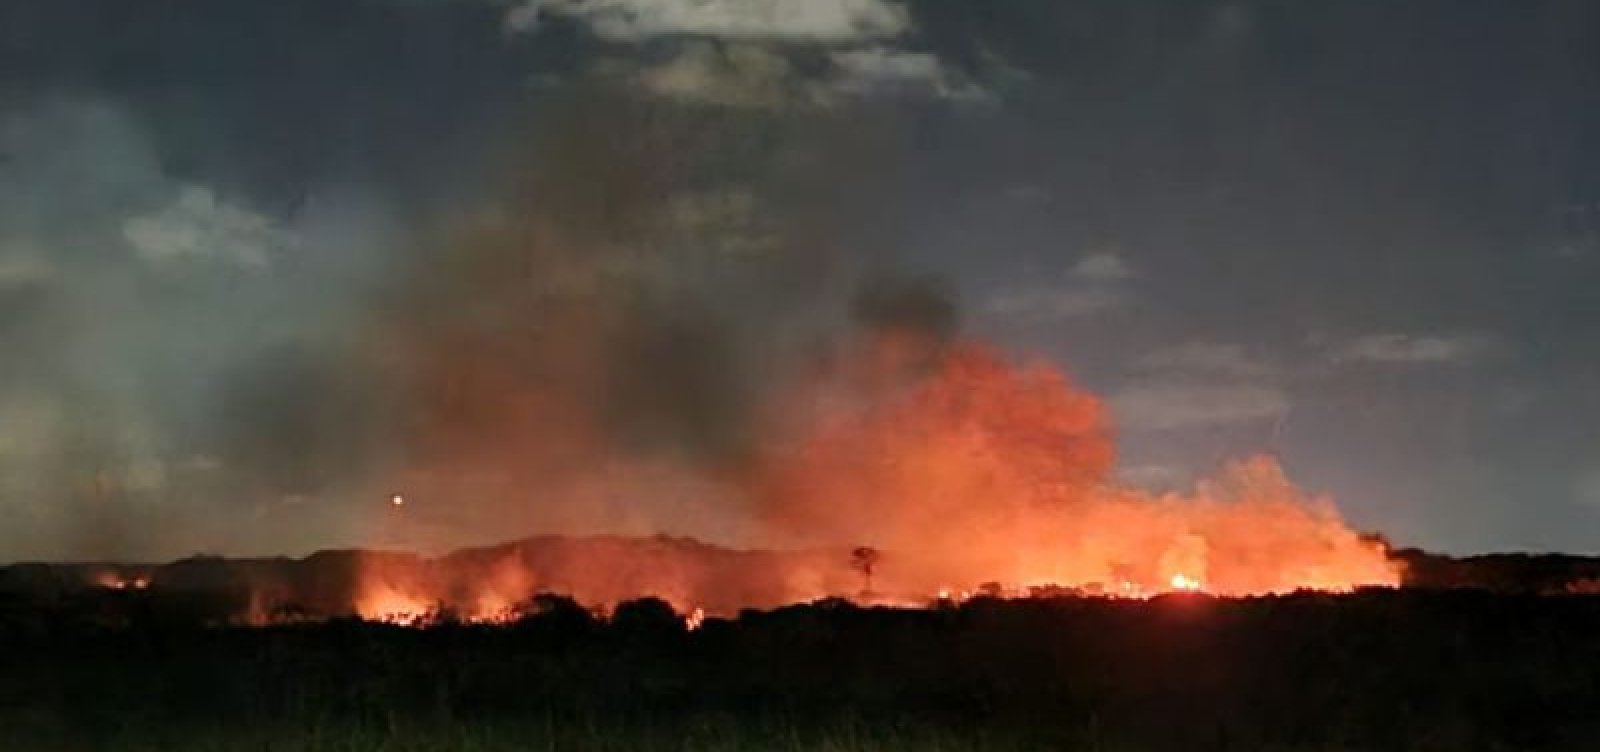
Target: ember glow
[
  {"x": 114, "y": 581},
  {"x": 410, "y": 590},
  {"x": 379, "y": 603}
]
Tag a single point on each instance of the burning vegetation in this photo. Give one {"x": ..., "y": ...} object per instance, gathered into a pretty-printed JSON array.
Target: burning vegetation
[
  {"x": 965, "y": 474},
  {"x": 592, "y": 358},
  {"x": 980, "y": 471},
  {"x": 584, "y": 357},
  {"x": 910, "y": 467}
]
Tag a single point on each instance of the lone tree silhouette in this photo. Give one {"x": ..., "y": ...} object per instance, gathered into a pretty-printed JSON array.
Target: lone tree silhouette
[{"x": 864, "y": 560}]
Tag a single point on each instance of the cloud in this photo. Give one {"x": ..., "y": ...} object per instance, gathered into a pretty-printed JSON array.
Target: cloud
[
  {"x": 1105, "y": 266},
  {"x": 733, "y": 75},
  {"x": 1052, "y": 304},
  {"x": 748, "y": 54},
  {"x": 748, "y": 75},
  {"x": 822, "y": 21},
  {"x": 1092, "y": 286},
  {"x": 196, "y": 227},
  {"x": 1208, "y": 358},
  {"x": 1165, "y": 406},
  {"x": 879, "y": 69},
  {"x": 1407, "y": 349},
  {"x": 1199, "y": 383},
  {"x": 131, "y": 343}
]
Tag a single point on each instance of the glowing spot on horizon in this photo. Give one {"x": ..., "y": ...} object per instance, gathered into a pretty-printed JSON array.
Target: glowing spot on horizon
[{"x": 1185, "y": 583}]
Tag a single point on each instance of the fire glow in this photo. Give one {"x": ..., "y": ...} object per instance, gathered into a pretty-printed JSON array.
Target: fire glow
[
  {"x": 986, "y": 472},
  {"x": 113, "y": 581},
  {"x": 967, "y": 474}
]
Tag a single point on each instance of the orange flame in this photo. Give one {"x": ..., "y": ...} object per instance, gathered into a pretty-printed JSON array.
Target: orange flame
[
  {"x": 115, "y": 581},
  {"x": 381, "y": 603},
  {"x": 967, "y": 475},
  {"x": 983, "y": 472}
]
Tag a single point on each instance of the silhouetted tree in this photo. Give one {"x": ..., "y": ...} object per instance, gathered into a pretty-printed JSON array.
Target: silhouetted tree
[
  {"x": 557, "y": 615},
  {"x": 865, "y": 560},
  {"x": 646, "y": 618}
]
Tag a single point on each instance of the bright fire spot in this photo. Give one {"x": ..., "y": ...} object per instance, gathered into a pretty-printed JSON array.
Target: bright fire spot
[
  {"x": 971, "y": 475},
  {"x": 113, "y": 582},
  {"x": 385, "y": 604},
  {"x": 491, "y": 607},
  {"x": 1186, "y": 583}
]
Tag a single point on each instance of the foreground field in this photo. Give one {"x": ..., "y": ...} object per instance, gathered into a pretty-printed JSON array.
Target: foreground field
[
  {"x": 695, "y": 735},
  {"x": 1380, "y": 670}
]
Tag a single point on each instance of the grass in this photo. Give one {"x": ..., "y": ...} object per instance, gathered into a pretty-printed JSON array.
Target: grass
[
  {"x": 706, "y": 734},
  {"x": 1406, "y": 672}
]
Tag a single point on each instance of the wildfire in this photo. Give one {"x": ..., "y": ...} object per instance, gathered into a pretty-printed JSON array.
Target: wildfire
[
  {"x": 491, "y": 608},
  {"x": 1184, "y": 583},
  {"x": 970, "y": 475},
  {"x": 981, "y": 471},
  {"x": 113, "y": 581},
  {"x": 389, "y": 605}
]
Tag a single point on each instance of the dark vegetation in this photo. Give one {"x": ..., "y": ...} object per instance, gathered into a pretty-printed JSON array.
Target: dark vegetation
[
  {"x": 608, "y": 569},
  {"x": 1485, "y": 653},
  {"x": 599, "y": 569},
  {"x": 1502, "y": 573},
  {"x": 1375, "y": 670}
]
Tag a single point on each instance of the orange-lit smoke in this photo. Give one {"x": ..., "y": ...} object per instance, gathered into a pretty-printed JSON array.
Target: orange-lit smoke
[
  {"x": 981, "y": 471},
  {"x": 963, "y": 471},
  {"x": 407, "y": 589},
  {"x": 589, "y": 366}
]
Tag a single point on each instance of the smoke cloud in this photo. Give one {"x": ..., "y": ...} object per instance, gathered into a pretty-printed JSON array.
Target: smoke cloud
[{"x": 612, "y": 335}]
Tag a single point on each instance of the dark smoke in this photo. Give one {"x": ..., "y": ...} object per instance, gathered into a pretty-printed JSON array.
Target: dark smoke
[
  {"x": 585, "y": 340},
  {"x": 678, "y": 382},
  {"x": 603, "y": 339},
  {"x": 919, "y": 305}
]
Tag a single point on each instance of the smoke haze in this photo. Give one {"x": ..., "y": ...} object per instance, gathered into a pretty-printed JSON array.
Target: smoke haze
[{"x": 649, "y": 266}]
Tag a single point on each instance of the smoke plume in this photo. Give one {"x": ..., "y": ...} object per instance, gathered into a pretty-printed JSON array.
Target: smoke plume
[{"x": 639, "y": 336}]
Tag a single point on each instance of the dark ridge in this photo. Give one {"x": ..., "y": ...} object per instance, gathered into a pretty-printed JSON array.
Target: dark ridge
[{"x": 594, "y": 570}]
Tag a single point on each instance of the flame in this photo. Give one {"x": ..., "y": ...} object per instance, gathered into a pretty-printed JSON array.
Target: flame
[
  {"x": 115, "y": 581},
  {"x": 986, "y": 472},
  {"x": 1185, "y": 583},
  {"x": 966, "y": 474},
  {"x": 408, "y": 589},
  {"x": 386, "y": 604}
]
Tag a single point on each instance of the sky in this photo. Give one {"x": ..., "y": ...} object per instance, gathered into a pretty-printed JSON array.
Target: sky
[{"x": 239, "y": 238}]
